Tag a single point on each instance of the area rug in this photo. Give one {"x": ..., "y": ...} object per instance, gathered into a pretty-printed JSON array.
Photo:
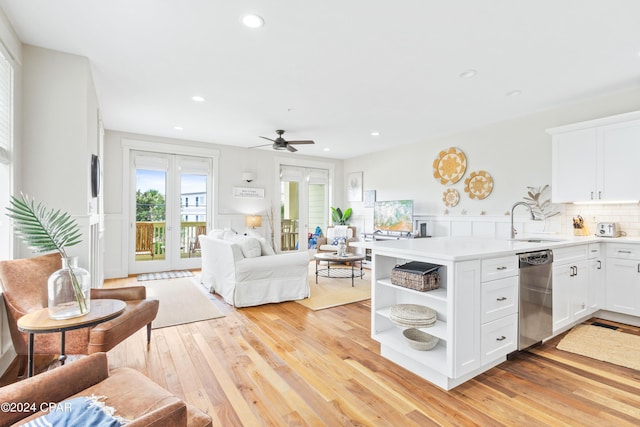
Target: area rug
[
  {"x": 332, "y": 292},
  {"x": 164, "y": 275},
  {"x": 181, "y": 301},
  {"x": 608, "y": 345}
]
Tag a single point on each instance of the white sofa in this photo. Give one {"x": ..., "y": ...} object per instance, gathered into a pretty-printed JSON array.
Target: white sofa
[{"x": 258, "y": 279}]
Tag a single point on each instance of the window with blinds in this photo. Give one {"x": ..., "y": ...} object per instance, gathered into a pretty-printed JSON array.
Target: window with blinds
[{"x": 6, "y": 146}]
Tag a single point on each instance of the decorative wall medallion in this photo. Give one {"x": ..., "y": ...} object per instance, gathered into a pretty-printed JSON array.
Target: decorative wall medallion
[
  {"x": 451, "y": 197},
  {"x": 479, "y": 185},
  {"x": 450, "y": 166}
]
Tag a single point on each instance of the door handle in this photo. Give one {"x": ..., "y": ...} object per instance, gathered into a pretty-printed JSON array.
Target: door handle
[
  {"x": 600, "y": 266},
  {"x": 502, "y": 338},
  {"x": 501, "y": 268},
  {"x": 505, "y": 298}
]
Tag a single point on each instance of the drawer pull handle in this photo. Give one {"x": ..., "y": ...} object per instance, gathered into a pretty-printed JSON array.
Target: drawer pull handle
[
  {"x": 501, "y": 299},
  {"x": 502, "y": 338},
  {"x": 501, "y": 268},
  {"x": 624, "y": 252},
  {"x": 600, "y": 265}
]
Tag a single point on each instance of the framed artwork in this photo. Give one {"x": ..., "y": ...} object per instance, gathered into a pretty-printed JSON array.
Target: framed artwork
[
  {"x": 369, "y": 198},
  {"x": 354, "y": 187}
]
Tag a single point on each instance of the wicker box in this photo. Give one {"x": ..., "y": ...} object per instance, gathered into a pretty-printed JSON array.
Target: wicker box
[{"x": 420, "y": 276}]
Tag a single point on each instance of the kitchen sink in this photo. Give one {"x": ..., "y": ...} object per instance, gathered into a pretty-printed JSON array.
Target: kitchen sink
[{"x": 534, "y": 240}]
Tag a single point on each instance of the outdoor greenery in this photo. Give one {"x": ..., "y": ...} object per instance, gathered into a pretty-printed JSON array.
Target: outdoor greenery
[{"x": 150, "y": 206}]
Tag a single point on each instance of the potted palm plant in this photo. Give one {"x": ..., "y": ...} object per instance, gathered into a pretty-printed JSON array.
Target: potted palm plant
[
  {"x": 45, "y": 230},
  {"x": 339, "y": 217}
]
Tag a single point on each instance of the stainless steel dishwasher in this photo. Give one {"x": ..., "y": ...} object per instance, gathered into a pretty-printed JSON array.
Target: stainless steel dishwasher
[{"x": 536, "y": 298}]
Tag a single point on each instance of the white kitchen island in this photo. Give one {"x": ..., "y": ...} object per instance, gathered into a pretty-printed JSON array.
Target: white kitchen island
[{"x": 476, "y": 304}]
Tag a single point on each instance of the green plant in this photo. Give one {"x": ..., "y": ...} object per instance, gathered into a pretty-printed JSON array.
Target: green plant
[
  {"x": 46, "y": 231},
  {"x": 339, "y": 217}
]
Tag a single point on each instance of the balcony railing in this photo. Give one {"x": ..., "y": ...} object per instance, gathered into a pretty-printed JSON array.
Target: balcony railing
[{"x": 150, "y": 239}]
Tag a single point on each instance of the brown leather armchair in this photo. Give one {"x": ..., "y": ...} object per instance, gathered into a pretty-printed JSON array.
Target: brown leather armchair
[
  {"x": 133, "y": 396},
  {"x": 24, "y": 287}
]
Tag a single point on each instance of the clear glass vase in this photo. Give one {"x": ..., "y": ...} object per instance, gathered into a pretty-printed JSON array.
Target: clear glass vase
[
  {"x": 69, "y": 291},
  {"x": 342, "y": 248}
]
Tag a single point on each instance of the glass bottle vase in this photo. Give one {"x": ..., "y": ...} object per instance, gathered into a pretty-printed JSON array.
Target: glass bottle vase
[{"x": 69, "y": 291}]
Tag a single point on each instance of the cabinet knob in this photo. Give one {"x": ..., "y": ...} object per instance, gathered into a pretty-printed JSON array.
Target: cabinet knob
[
  {"x": 501, "y": 299},
  {"x": 502, "y": 338}
]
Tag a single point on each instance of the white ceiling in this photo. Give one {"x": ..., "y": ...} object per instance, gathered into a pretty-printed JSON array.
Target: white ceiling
[{"x": 336, "y": 70}]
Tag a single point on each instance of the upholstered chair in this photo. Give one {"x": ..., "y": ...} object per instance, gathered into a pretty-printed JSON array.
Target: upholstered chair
[
  {"x": 24, "y": 289},
  {"x": 326, "y": 243},
  {"x": 127, "y": 392}
]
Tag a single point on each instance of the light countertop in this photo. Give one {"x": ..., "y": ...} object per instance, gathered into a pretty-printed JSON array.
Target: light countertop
[{"x": 468, "y": 248}]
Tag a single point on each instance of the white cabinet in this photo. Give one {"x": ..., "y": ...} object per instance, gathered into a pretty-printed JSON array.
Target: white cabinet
[
  {"x": 457, "y": 304},
  {"x": 623, "y": 279},
  {"x": 597, "y": 277},
  {"x": 570, "y": 286},
  {"x": 498, "y": 308},
  {"x": 593, "y": 160}
]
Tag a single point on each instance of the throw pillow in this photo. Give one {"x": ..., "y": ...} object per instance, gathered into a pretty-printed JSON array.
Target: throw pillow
[
  {"x": 336, "y": 241},
  {"x": 216, "y": 234},
  {"x": 265, "y": 248},
  {"x": 250, "y": 246}
]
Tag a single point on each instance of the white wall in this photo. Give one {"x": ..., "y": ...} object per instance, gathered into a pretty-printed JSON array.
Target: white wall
[
  {"x": 517, "y": 154},
  {"x": 230, "y": 211},
  {"x": 60, "y": 132}
]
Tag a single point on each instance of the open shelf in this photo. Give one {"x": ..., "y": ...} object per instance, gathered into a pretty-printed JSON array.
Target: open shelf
[
  {"x": 439, "y": 329},
  {"x": 436, "y": 358},
  {"x": 439, "y": 294}
]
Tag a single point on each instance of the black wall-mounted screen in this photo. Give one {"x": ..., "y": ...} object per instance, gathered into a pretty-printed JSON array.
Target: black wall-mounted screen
[{"x": 95, "y": 175}]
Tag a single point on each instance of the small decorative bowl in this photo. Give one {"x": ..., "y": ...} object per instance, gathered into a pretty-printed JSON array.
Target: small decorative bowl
[{"x": 419, "y": 340}]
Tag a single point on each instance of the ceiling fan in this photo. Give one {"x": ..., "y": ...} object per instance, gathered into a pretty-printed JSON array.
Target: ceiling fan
[{"x": 281, "y": 144}]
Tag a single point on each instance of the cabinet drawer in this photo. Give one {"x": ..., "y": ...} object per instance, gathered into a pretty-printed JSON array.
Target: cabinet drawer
[
  {"x": 498, "y": 338},
  {"x": 497, "y": 268},
  {"x": 571, "y": 254},
  {"x": 594, "y": 250},
  {"x": 499, "y": 298},
  {"x": 620, "y": 250}
]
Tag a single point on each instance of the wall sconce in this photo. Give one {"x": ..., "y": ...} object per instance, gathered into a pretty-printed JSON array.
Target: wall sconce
[
  {"x": 253, "y": 221},
  {"x": 248, "y": 176}
]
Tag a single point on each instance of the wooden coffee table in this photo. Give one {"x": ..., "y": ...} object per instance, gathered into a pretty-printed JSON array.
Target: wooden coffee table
[
  {"x": 330, "y": 257},
  {"x": 38, "y": 322}
]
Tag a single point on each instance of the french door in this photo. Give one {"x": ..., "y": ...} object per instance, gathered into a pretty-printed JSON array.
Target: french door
[
  {"x": 304, "y": 206},
  {"x": 170, "y": 208}
]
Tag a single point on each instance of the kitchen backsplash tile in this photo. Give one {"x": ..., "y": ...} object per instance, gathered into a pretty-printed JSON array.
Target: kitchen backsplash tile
[{"x": 626, "y": 215}]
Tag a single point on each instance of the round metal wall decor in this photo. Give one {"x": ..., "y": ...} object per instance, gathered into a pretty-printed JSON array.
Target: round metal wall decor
[{"x": 449, "y": 166}]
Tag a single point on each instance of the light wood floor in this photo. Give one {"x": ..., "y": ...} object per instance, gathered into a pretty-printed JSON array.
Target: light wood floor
[{"x": 285, "y": 365}]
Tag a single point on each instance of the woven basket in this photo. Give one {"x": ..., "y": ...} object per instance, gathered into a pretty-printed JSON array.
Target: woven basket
[
  {"x": 419, "y": 340},
  {"x": 416, "y": 280}
]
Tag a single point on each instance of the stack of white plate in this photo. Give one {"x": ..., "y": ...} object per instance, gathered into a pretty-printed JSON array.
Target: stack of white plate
[{"x": 412, "y": 315}]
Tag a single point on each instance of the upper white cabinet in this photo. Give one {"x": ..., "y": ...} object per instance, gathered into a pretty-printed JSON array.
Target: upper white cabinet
[{"x": 593, "y": 160}]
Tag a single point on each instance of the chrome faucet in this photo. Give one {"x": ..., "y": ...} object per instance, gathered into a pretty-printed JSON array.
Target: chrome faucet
[{"x": 533, "y": 217}]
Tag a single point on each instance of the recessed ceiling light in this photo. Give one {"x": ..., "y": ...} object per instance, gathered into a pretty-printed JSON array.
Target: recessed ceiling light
[
  {"x": 178, "y": 128},
  {"x": 514, "y": 93},
  {"x": 252, "y": 21},
  {"x": 197, "y": 98},
  {"x": 467, "y": 74},
  {"x": 326, "y": 149},
  {"x": 375, "y": 133}
]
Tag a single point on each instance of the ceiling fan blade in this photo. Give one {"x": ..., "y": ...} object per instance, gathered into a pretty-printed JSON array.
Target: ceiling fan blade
[
  {"x": 301, "y": 142},
  {"x": 258, "y": 146},
  {"x": 264, "y": 137},
  {"x": 292, "y": 149}
]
